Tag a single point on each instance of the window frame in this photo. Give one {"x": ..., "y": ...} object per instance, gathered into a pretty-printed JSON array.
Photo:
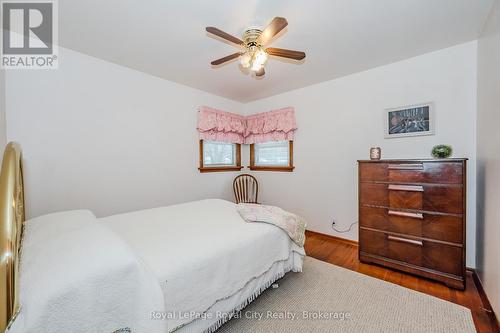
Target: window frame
[
  {"x": 220, "y": 168},
  {"x": 281, "y": 168}
]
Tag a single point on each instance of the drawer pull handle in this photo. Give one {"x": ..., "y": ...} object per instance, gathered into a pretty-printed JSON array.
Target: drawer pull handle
[
  {"x": 419, "y": 216},
  {"x": 411, "y": 188},
  {"x": 405, "y": 240},
  {"x": 406, "y": 166}
]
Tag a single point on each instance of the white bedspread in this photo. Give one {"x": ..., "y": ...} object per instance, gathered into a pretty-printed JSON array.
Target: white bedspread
[
  {"x": 79, "y": 277},
  {"x": 202, "y": 252}
]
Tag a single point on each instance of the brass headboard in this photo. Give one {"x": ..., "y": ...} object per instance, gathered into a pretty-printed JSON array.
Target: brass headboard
[{"x": 11, "y": 226}]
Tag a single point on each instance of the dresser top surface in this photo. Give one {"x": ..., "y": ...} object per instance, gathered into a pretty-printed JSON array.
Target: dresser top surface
[{"x": 406, "y": 160}]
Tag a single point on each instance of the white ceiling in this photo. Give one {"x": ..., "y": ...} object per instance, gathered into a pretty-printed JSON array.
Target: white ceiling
[{"x": 167, "y": 38}]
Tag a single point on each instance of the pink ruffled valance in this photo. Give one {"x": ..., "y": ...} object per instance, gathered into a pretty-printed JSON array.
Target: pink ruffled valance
[
  {"x": 217, "y": 125},
  {"x": 277, "y": 125}
]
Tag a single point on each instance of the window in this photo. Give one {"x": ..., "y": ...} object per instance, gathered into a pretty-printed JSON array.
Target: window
[
  {"x": 219, "y": 156},
  {"x": 272, "y": 156}
]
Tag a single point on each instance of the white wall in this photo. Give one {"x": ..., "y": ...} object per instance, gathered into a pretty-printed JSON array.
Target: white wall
[
  {"x": 100, "y": 136},
  {"x": 488, "y": 158},
  {"x": 340, "y": 120}
]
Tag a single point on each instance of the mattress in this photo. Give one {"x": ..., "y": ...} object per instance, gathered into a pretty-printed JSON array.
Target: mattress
[{"x": 205, "y": 257}]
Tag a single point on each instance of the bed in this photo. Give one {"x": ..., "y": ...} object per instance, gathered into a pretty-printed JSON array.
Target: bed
[{"x": 183, "y": 268}]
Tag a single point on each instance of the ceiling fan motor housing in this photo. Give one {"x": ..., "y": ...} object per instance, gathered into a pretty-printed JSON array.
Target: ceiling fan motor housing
[{"x": 250, "y": 37}]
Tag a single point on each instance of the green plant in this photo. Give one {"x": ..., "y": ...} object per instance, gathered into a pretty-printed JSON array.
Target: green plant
[{"x": 442, "y": 151}]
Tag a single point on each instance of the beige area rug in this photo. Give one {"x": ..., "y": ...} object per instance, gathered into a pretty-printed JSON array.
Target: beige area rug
[{"x": 339, "y": 300}]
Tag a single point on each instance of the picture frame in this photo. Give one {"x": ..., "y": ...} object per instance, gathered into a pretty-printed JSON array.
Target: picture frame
[{"x": 411, "y": 120}]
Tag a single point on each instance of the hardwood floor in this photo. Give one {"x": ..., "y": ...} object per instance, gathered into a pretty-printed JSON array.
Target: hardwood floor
[{"x": 345, "y": 253}]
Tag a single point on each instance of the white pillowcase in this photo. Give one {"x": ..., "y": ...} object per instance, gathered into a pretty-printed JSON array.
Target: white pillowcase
[
  {"x": 48, "y": 227},
  {"x": 78, "y": 276}
]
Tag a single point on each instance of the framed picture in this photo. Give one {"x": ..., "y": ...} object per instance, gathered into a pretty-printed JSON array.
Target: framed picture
[{"x": 412, "y": 120}]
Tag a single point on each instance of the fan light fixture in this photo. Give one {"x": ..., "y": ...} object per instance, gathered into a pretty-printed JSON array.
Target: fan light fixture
[
  {"x": 255, "y": 55},
  {"x": 254, "y": 60},
  {"x": 246, "y": 60}
]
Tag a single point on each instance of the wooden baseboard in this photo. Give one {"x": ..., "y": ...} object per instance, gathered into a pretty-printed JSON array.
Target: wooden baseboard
[
  {"x": 337, "y": 239},
  {"x": 484, "y": 299}
]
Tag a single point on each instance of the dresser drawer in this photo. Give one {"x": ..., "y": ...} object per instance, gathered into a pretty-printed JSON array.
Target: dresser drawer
[
  {"x": 434, "y": 198},
  {"x": 440, "y": 227},
  {"x": 413, "y": 172},
  {"x": 427, "y": 254}
]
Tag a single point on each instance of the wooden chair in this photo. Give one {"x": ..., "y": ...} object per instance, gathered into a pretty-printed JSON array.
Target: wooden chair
[{"x": 246, "y": 189}]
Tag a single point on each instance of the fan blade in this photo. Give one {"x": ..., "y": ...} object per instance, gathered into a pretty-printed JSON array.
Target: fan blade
[
  {"x": 226, "y": 59},
  {"x": 260, "y": 72},
  {"x": 224, "y": 35},
  {"x": 297, "y": 55},
  {"x": 276, "y": 25}
]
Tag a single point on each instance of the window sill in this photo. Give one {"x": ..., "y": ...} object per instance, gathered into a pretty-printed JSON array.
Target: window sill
[
  {"x": 272, "y": 168},
  {"x": 220, "y": 169}
]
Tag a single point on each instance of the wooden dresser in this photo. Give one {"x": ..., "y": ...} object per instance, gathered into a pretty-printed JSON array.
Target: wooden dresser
[{"x": 412, "y": 217}]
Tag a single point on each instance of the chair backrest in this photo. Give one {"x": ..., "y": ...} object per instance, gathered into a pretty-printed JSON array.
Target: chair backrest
[{"x": 246, "y": 189}]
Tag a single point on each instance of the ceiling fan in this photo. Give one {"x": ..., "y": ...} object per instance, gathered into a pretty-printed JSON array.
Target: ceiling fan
[{"x": 254, "y": 42}]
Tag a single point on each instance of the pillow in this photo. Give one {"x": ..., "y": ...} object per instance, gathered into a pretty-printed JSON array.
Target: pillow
[
  {"x": 78, "y": 276},
  {"x": 47, "y": 227}
]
